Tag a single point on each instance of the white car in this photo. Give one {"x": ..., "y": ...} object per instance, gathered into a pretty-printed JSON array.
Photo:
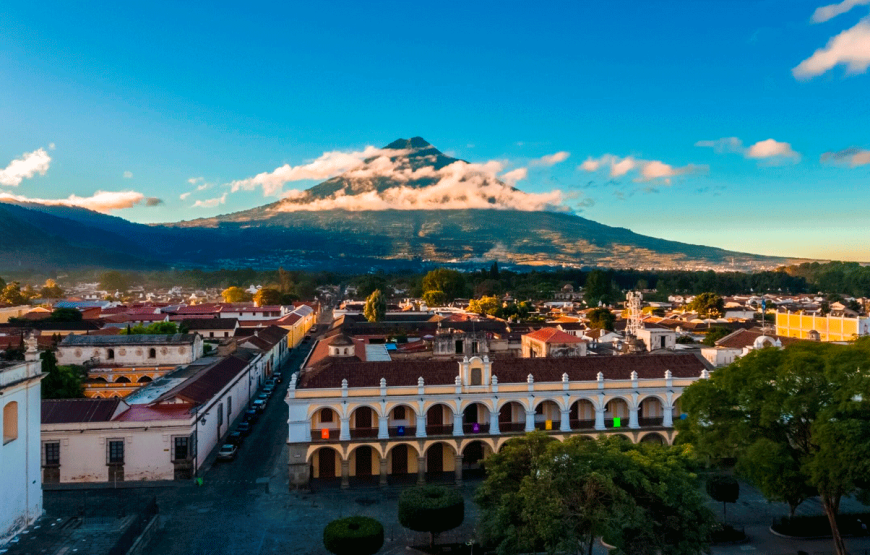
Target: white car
[{"x": 227, "y": 452}]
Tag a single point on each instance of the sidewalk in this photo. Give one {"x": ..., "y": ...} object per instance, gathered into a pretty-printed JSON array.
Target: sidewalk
[{"x": 763, "y": 542}]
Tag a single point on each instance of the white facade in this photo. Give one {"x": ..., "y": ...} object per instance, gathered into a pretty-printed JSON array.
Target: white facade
[
  {"x": 657, "y": 339},
  {"x": 130, "y": 350},
  {"x": 19, "y": 454}
]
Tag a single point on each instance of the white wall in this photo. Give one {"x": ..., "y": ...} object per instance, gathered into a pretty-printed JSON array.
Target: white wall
[
  {"x": 20, "y": 482},
  {"x": 132, "y": 355}
]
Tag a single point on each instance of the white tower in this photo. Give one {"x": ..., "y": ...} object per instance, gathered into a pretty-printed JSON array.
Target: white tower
[{"x": 635, "y": 311}]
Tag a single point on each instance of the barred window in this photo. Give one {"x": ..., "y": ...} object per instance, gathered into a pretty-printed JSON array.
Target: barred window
[
  {"x": 52, "y": 453},
  {"x": 180, "y": 450},
  {"x": 115, "y": 453}
]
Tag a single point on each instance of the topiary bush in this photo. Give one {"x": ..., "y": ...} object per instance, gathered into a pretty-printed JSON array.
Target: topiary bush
[
  {"x": 725, "y": 489},
  {"x": 356, "y": 535},
  {"x": 432, "y": 509}
]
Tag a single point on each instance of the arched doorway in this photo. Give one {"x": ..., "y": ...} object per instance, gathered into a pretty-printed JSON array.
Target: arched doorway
[
  {"x": 512, "y": 417},
  {"x": 548, "y": 416},
  {"x": 475, "y": 419},
  {"x": 440, "y": 462},
  {"x": 582, "y": 415},
  {"x": 363, "y": 423},
  {"x": 650, "y": 412},
  {"x": 439, "y": 420},
  {"x": 363, "y": 461},
  {"x": 655, "y": 439},
  {"x": 402, "y": 421},
  {"x": 473, "y": 456},
  {"x": 616, "y": 414},
  {"x": 325, "y": 463}
]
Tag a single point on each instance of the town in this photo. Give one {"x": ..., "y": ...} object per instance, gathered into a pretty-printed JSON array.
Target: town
[{"x": 112, "y": 385}]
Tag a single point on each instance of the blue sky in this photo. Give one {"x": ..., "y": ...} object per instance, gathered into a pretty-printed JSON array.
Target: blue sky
[{"x": 155, "y": 100}]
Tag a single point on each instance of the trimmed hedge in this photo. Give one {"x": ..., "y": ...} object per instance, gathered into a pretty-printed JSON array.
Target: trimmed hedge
[
  {"x": 431, "y": 509},
  {"x": 356, "y": 535},
  {"x": 818, "y": 526}
]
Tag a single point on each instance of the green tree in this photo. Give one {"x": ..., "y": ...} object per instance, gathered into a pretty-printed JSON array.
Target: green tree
[
  {"x": 485, "y": 305},
  {"x": 435, "y": 298},
  {"x": 545, "y": 495},
  {"x": 114, "y": 281},
  {"x": 601, "y": 318},
  {"x": 714, "y": 335},
  {"x": 432, "y": 509},
  {"x": 51, "y": 290},
  {"x": 267, "y": 297},
  {"x": 493, "y": 271},
  {"x": 62, "y": 382},
  {"x": 376, "y": 307},
  {"x": 2, "y": 284},
  {"x": 235, "y": 295},
  {"x": 12, "y": 294},
  {"x": 599, "y": 288},
  {"x": 157, "y": 328},
  {"x": 66, "y": 315},
  {"x": 707, "y": 305},
  {"x": 807, "y": 405},
  {"x": 724, "y": 489},
  {"x": 451, "y": 282}
]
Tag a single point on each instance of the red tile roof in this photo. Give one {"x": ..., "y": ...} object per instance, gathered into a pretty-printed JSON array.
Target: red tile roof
[
  {"x": 64, "y": 411},
  {"x": 746, "y": 338},
  {"x": 553, "y": 335},
  {"x": 166, "y": 411},
  {"x": 405, "y": 373},
  {"x": 210, "y": 382}
]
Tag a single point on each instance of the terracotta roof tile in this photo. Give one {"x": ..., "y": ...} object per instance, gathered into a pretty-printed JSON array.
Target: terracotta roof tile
[{"x": 553, "y": 335}]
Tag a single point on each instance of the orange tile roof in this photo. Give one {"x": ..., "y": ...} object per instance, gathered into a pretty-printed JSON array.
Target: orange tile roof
[{"x": 552, "y": 335}]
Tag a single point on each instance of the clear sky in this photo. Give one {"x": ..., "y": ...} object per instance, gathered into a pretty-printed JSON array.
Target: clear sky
[{"x": 735, "y": 123}]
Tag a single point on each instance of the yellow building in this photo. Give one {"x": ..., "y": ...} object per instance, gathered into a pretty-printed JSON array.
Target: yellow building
[{"x": 821, "y": 328}]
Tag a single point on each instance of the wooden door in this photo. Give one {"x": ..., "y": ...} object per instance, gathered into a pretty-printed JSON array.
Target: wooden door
[
  {"x": 364, "y": 461},
  {"x": 327, "y": 463},
  {"x": 435, "y": 458},
  {"x": 400, "y": 459}
]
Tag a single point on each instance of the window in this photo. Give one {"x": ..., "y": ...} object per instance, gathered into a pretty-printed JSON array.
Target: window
[
  {"x": 399, "y": 413},
  {"x": 180, "y": 448},
  {"x": 230, "y": 408},
  {"x": 110, "y": 354},
  {"x": 52, "y": 453},
  {"x": 476, "y": 378},
  {"x": 326, "y": 415},
  {"x": 10, "y": 422},
  {"x": 220, "y": 414},
  {"x": 115, "y": 453},
  {"x": 152, "y": 353},
  {"x": 474, "y": 347},
  {"x": 211, "y": 334}
]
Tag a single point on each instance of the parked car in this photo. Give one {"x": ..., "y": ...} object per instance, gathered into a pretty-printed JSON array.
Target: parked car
[
  {"x": 227, "y": 452},
  {"x": 264, "y": 396},
  {"x": 244, "y": 428},
  {"x": 259, "y": 405},
  {"x": 278, "y": 377},
  {"x": 269, "y": 388},
  {"x": 236, "y": 438},
  {"x": 252, "y": 416}
]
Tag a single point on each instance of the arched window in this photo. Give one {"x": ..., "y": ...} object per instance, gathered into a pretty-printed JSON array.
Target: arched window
[
  {"x": 144, "y": 379},
  {"x": 10, "y": 422},
  {"x": 399, "y": 413},
  {"x": 110, "y": 354},
  {"x": 123, "y": 379},
  {"x": 326, "y": 415},
  {"x": 152, "y": 353}
]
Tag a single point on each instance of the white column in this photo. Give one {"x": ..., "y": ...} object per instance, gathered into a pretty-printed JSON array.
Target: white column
[
  {"x": 632, "y": 417},
  {"x": 457, "y": 424},
  {"x": 344, "y": 434},
  {"x": 421, "y": 425},
  {"x": 565, "y": 426},
  {"x": 493, "y": 423},
  {"x": 383, "y": 424},
  {"x": 530, "y": 420},
  {"x": 599, "y": 419},
  {"x": 668, "y": 420}
]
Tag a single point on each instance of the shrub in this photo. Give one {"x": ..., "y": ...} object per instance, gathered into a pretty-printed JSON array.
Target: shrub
[
  {"x": 850, "y": 524},
  {"x": 356, "y": 535},
  {"x": 432, "y": 509}
]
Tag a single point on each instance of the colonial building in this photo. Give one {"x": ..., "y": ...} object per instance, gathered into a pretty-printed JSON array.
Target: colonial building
[
  {"x": 352, "y": 419},
  {"x": 552, "y": 343},
  {"x": 130, "y": 350},
  {"x": 837, "y": 326},
  {"x": 20, "y": 451}
]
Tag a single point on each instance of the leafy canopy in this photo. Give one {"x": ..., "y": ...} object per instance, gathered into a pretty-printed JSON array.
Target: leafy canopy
[{"x": 376, "y": 307}]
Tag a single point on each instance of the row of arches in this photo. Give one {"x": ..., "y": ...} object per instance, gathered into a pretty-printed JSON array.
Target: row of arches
[
  {"x": 429, "y": 462},
  {"x": 119, "y": 379},
  {"x": 476, "y": 418}
]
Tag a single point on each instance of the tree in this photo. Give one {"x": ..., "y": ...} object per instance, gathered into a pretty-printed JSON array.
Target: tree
[
  {"x": 376, "y": 307},
  {"x": 2, "y": 284},
  {"x": 598, "y": 288},
  {"x": 51, "y": 290},
  {"x": 356, "y": 535},
  {"x": 62, "y": 382},
  {"x": 369, "y": 283},
  {"x": 435, "y": 298},
  {"x": 235, "y": 295},
  {"x": 808, "y": 406},
  {"x": 66, "y": 315},
  {"x": 451, "y": 282},
  {"x": 267, "y": 297},
  {"x": 545, "y": 495},
  {"x": 432, "y": 509},
  {"x": 724, "y": 489},
  {"x": 485, "y": 305},
  {"x": 157, "y": 328},
  {"x": 601, "y": 318},
  {"x": 114, "y": 281},
  {"x": 12, "y": 294},
  {"x": 714, "y": 335},
  {"x": 707, "y": 305},
  {"x": 493, "y": 271}
]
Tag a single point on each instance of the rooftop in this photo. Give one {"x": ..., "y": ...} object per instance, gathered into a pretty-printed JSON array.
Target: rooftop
[{"x": 113, "y": 340}]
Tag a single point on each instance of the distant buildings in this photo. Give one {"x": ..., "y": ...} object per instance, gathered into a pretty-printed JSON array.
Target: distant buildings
[
  {"x": 836, "y": 326},
  {"x": 20, "y": 452}
]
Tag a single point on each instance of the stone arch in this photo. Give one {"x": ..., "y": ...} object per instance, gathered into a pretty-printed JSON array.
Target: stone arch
[
  {"x": 474, "y": 453},
  {"x": 475, "y": 418},
  {"x": 625, "y": 437},
  {"x": 122, "y": 379},
  {"x": 512, "y": 416},
  {"x": 364, "y": 460},
  {"x": 325, "y": 462},
  {"x": 110, "y": 354},
  {"x": 555, "y": 400},
  {"x": 548, "y": 414},
  {"x": 651, "y": 410},
  {"x": 325, "y": 424},
  {"x": 655, "y": 438},
  {"x": 402, "y": 458},
  {"x": 364, "y": 421},
  {"x": 438, "y": 420},
  {"x": 617, "y": 408},
  {"x": 676, "y": 408},
  {"x": 440, "y": 457},
  {"x": 522, "y": 402},
  {"x": 581, "y": 414},
  {"x": 145, "y": 379},
  {"x": 401, "y": 419}
]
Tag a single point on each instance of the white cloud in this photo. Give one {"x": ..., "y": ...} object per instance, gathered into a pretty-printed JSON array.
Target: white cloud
[
  {"x": 513, "y": 176},
  {"x": 203, "y": 187},
  {"x": 329, "y": 164},
  {"x": 853, "y": 157},
  {"x": 211, "y": 203},
  {"x": 50, "y": 146},
  {"x": 770, "y": 148},
  {"x": 128, "y": 175},
  {"x": 100, "y": 201},
  {"x": 195, "y": 180},
  {"x": 824, "y": 13},
  {"x": 551, "y": 159},
  {"x": 725, "y": 144},
  {"x": 30, "y": 164},
  {"x": 851, "y": 47},
  {"x": 183, "y": 196},
  {"x": 647, "y": 170}
]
